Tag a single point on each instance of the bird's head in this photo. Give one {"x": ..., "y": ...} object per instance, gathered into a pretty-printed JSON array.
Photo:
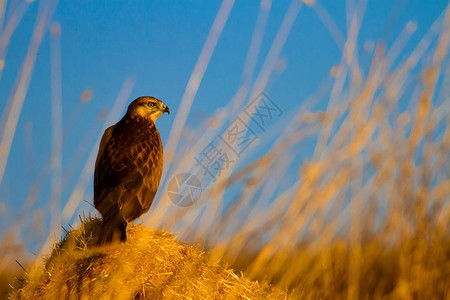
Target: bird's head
[{"x": 147, "y": 107}]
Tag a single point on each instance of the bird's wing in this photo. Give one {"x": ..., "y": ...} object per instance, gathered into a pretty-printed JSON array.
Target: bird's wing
[
  {"x": 105, "y": 138},
  {"x": 127, "y": 175},
  {"x": 103, "y": 184},
  {"x": 149, "y": 164}
]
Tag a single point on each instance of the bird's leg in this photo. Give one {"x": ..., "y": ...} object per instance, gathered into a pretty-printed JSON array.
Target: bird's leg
[
  {"x": 123, "y": 237},
  {"x": 113, "y": 230}
]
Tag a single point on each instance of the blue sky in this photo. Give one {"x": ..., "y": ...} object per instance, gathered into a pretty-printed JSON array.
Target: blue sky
[{"x": 157, "y": 43}]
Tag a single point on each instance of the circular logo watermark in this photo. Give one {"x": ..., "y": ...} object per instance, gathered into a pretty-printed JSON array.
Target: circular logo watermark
[{"x": 184, "y": 189}]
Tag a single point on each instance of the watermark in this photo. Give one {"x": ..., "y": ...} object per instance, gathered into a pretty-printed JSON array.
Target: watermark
[
  {"x": 184, "y": 189},
  {"x": 224, "y": 150}
]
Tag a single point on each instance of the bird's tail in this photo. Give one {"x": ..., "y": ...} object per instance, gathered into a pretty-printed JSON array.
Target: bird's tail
[{"x": 113, "y": 230}]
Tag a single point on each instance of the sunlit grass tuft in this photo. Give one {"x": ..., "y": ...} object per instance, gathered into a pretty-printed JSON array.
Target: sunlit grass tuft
[{"x": 152, "y": 264}]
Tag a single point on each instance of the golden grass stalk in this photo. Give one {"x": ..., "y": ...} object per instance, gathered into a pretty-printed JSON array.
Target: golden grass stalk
[{"x": 18, "y": 95}]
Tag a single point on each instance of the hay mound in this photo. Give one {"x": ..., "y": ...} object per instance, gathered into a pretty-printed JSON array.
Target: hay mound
[{"x": 152, "y": 264}]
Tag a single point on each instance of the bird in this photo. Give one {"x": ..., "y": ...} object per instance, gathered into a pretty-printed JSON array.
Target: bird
[{"x": 128, "y": 168}]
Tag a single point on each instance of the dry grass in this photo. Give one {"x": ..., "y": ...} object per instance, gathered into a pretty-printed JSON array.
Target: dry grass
[
  {"x": 152, "y": 264},
  {"x": 416, "y": 268}
]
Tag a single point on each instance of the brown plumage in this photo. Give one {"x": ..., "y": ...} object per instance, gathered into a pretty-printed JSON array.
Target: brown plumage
[{"x": 128, "y": 168}]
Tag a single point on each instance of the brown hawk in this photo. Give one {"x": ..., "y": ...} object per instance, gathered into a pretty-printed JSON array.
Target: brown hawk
[{"x": 128, "y": 168}]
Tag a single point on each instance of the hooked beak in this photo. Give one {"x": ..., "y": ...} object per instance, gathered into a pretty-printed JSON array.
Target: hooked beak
[{"x": 167, "y": 110}]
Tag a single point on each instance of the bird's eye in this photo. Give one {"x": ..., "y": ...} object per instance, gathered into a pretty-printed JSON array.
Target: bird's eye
[{"x": 151, "y": 104}]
